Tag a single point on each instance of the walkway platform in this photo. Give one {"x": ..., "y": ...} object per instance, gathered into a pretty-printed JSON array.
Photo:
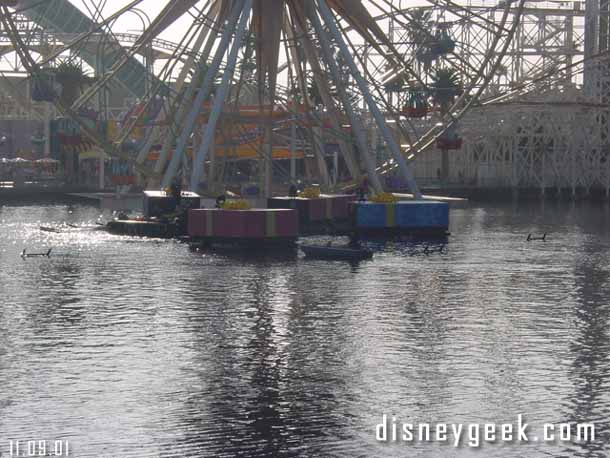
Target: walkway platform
[
  {"x": 454, "y": 202},
  {"x": 112, "y": 201}
]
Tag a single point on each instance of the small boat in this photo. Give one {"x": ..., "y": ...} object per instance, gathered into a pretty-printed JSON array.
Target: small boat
[{"x": 341, "y": 253}]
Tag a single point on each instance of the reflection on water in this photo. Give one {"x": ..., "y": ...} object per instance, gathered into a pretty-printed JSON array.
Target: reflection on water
[{"x": 141, "y": 348}]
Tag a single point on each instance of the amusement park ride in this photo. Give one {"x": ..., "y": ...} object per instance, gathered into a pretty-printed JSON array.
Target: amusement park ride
[{"x": 325, "y": 91}]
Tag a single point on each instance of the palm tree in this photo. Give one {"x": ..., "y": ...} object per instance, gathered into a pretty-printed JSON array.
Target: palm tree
[
  {"x": 445, "y": 87},
  {"x": 72, "y": 79},
  {"x": 419, "y": 26},
  {"x": 395, "y": 84}
]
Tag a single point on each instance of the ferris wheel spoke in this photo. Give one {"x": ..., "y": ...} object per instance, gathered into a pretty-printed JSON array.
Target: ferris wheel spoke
[
  {"x": 355, "y": 122},
  {"x": 296, "y": 33},
  {"x": 175, "y": 103},
  {"x": 210, "y": 129},
  {"x": 181, "y": 105},
  {"x": 268, "y": 18},
  {"x": 294, "y": 60},
  {"x": 322, "y": 84},
  {"x": 170, "y": 14},
  {"x": 377, "y": 95},
  {"x": 154, "y": 93},
  {"x": 233, "y": 104},
  {"x": 354, "y": 12},
  {"x": 203, "y": 91},
  {"x": 381, "y": 123}
]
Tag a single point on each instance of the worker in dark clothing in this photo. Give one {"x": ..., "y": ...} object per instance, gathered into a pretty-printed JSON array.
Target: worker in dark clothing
[
  {"x": 354, "y": 241},
  {"x": 293, "y": 191},
  {"x": 363, "y": 190},
  {"x": 176, "y": 192},
  {"x": 220, "y": 201}
]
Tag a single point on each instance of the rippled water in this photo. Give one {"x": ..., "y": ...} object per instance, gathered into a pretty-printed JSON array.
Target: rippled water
[{"x": 130, "y": 347}]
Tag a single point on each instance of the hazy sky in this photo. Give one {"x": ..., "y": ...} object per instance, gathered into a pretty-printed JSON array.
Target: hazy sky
[{"x": 130, "y": 21}]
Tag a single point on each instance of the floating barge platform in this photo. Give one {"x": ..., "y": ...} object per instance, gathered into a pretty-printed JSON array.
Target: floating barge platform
[
  {"x": 252, "y": 229},
  {"x": 328, "y": 213},
  {"x": 284, "y": 221},
  {"x": 414, "y": 217},
  {"x": 156, "y": 205}
]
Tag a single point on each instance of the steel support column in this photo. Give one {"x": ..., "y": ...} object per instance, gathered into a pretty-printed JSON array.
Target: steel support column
[
  {"x": 329, "y": 20},
  {"x": 219, "y": 99},
  {"x": 202, "y": 95}
]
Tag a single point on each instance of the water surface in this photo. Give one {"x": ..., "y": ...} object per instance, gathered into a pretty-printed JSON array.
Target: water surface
[{"x": 131, "y": 347}]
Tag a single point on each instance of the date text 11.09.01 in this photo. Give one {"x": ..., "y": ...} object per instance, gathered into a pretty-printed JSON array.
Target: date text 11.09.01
[{"x": 18, "y": 448}]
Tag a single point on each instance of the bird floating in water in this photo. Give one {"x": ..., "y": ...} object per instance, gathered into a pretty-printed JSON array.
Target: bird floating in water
[
  {"x": 428, "y": 251},
  {"x": 531, "y": 239}
]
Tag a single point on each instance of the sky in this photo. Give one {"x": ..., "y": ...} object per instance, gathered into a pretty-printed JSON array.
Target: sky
[
  {"x": 147, "y": 10},
  {"x": 135, "y": 21},
  {"x": 130, "y": 22}
]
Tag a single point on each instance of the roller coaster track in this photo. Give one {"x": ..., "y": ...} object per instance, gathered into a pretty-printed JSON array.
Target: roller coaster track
[
  {"x": 33, "y": 68},
  {"x": 124, "y": 38},
  {"x": 62, "y": 17},
  {"x": 480, "y": 82}
]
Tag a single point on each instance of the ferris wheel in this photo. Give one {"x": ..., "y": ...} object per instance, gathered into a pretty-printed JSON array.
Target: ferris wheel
[{"x": 264, "y": 91}]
